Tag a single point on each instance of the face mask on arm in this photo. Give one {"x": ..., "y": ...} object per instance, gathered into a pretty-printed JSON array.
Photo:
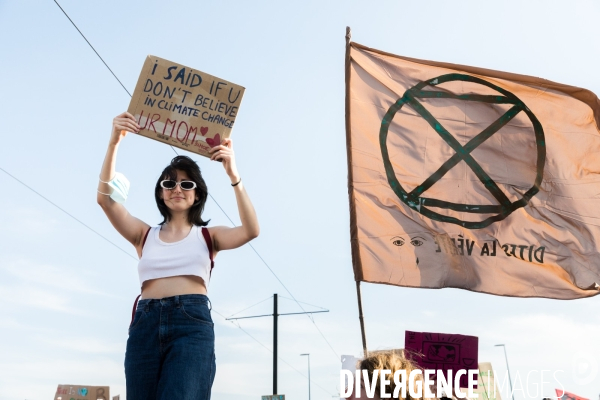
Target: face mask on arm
[{"x": 120, "y": 188}]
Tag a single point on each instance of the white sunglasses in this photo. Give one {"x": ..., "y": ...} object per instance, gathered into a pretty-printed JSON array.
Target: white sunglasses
[{"x": 184, "y": 185}]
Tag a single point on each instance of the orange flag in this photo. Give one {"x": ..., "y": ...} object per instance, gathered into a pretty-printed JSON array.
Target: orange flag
[{"x": 471, "y": 178}]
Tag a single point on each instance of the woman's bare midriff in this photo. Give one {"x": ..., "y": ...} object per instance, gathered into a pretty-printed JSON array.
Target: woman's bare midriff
[{"x": 173, "y": 286}]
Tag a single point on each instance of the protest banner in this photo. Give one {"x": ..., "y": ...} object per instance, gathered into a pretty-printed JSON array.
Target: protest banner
[
  {"x": 82, "y": 392},
  {"x": 444, "y": 351},
  {"x": 471, "y": 178},
  {"x": 184, "y": 107}
]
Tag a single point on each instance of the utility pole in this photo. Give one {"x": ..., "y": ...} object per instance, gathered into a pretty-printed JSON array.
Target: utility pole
[{"x": 275, "y": 316}]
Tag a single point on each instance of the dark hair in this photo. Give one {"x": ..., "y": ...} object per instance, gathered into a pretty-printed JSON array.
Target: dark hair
[{"x": 189, "y": 166}]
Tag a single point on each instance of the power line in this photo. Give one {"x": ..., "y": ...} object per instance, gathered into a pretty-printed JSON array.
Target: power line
[
  {"x": 269, "y": 298},
  {"x": 308, "y": 304},
  {"x": 88, "y": 42},
  {"x": 221, "y": 208},
  {"x": 256, "y": 340},
  {"x": 247, "y": 308},
  {"x": 66, "y": 212},
  {"x": 302, "y": 308}
]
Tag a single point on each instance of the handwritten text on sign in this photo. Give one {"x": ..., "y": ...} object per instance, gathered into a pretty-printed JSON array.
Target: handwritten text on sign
[{"x": 184, "y": 107}]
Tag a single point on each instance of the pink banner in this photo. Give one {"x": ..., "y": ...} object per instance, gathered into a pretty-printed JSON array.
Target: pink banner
[{"x": 445, "y": 351}]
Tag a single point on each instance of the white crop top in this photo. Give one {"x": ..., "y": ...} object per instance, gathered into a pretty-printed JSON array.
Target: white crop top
[{"x": 189, "y": 256}]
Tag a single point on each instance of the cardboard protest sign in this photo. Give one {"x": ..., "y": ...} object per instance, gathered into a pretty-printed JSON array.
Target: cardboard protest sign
[
  {"x": 445, "y": 351},
  {"x": 78, "y": 392},
  {"x": 183, "y": 107}
]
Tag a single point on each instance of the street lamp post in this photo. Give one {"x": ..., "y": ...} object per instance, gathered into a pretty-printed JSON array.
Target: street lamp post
[
  {"x": 507, "y": 369},
  {"x": 308, "y": 354}
]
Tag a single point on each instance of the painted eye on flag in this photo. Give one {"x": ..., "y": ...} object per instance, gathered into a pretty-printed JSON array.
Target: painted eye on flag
[
  {"x": 417, "y": 241},
  {"x": 397, "y": 241}
]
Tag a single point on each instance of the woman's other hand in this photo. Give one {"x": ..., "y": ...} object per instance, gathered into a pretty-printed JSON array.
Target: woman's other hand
[
  {"x": 224, "y": 153},
  {"x": 122, "y": 124},
  {"x": 225, "y": 238}
]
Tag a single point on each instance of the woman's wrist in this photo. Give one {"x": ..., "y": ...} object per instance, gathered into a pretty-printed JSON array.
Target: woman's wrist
[
  {"x": 237, "y": 183},
  {"x": 234, "y": 177},
  {"x": 235, "y": 180}
]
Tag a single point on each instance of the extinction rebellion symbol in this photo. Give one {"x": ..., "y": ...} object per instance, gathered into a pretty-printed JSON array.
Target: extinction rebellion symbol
[{"x": 415, "y": 200}]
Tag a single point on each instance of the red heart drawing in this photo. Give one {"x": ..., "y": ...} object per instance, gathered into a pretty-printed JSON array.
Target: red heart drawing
[
  {"x": 214, "y": 141},
  {"x": 203, "y": 130}
]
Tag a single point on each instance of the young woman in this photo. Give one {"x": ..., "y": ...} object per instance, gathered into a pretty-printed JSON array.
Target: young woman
[{"x": 170, "y": 349}]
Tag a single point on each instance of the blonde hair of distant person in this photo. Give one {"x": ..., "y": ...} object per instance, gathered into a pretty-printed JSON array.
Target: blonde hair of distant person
[{"x": 392, "y": 360}]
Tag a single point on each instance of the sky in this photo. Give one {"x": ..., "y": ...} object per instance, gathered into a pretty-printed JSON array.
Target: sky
[{"x": 67, "y": 292}]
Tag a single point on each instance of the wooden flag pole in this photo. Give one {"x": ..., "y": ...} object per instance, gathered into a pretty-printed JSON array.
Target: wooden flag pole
[
  {"x": 352, "y": 215},
  {"x": 361, "y": 319}
]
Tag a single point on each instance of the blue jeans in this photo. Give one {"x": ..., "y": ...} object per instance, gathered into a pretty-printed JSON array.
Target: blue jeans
[{"x": 171, "y": 349}]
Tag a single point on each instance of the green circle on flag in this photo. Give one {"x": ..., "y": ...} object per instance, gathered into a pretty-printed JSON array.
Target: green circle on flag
[{"x": 415, "y": 200}]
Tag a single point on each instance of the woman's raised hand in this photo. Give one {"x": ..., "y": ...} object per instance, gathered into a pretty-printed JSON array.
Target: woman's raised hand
[
  {"x": 122, "y": 124},
  {"x": 225, "y": 238},
  {"x": 224, "y": 152}
]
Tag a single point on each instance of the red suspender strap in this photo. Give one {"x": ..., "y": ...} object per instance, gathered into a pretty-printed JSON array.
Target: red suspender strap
[
  {"x": 145, "y": 237},
  {"x": 134, "y": 307},
  {"x": 206, "y": 235}
]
